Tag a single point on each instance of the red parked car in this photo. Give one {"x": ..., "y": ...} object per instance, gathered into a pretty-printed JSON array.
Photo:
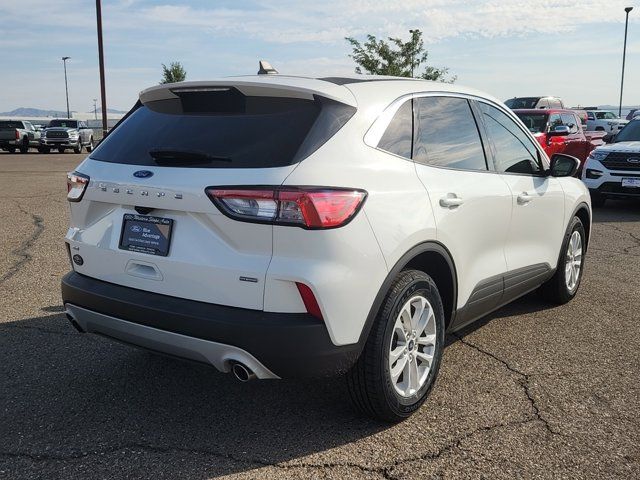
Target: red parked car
[{"x": 561, "y": 131}]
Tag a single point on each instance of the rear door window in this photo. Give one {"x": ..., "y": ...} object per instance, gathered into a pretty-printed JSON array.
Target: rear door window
[
  {"x": 223, "y": 129},
  {"x": 398, "y": 136},
  {"x": 446, "y": 134}
]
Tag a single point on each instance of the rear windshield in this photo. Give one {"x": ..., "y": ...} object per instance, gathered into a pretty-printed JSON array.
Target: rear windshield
[
  {"x": 630, "y": 133},
  {"x": 524, "y": 102},
  {"x": 64, "y": 123},
  {"x": 223, "y": 130},
  {"x": 535, "y": 122},
  {"x": 9, "y": 125}
]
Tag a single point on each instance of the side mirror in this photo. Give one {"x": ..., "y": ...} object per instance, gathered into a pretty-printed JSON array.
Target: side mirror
[
  {"x": 563, "y": 165},
  {"x": 609, "y": 138},
  {"x": 560, "y": 130}
]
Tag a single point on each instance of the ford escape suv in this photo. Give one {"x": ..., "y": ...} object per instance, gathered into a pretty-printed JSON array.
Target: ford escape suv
[{"x": 280, "y": 226}]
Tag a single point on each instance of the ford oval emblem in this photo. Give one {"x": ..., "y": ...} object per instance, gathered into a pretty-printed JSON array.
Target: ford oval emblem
[{"x": 143, "y": 174}]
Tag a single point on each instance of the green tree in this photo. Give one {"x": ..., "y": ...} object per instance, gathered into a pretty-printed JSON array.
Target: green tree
[
  {"x": 397, "y": 58},
  {"x": 173, "y": 73}
]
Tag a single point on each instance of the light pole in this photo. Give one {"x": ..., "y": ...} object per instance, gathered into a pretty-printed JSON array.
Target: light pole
[
  {"x": 66, "y": 88},
  {"x": 624, "y": 54},
  {"x": 95, "y": 109},
  {"x": 103, "y": 97}
]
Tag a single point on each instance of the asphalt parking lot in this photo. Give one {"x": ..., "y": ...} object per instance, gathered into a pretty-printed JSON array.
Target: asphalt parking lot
[{"x": 530, "y": 392}]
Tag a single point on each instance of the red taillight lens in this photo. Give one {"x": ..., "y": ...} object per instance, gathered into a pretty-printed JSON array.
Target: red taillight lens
[
  {"x": 17, "y": 135},
  {"x": 312, "y": 207},
  {"x": 76, "y": 185},
  {"x": 309, "y": 300}
]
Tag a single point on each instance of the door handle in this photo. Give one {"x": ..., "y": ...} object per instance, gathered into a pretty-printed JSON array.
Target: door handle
[
  {"x": 451, "y": 201},
  {"x": 524, "y": 198}
]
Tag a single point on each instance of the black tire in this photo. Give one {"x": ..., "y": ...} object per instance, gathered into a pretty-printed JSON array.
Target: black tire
[
  {"x": 43, "y": 150},
  {"x": 597, "y": 200},
  {"x": 555, "y": 289},
  {"x": 24, "y": 148},
  {"x": 90, "y": 146},
  {"x": 78, "y": 148},
  {"x": 60, "y": 150},
  {"x": 369, "y": 380}
]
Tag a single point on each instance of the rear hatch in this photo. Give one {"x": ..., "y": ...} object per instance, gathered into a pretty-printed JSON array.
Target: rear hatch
[{"x": 145, "y": 220}]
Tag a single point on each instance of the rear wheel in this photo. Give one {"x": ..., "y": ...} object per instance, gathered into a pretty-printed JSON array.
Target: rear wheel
[
  {"x": 24, "y": 148},
  {"x": 400, "y": 361},
  {"x": 564, "y": 284}
]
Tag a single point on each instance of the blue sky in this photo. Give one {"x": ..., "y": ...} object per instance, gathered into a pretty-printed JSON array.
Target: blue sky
[{"x": 568, "y": 48}]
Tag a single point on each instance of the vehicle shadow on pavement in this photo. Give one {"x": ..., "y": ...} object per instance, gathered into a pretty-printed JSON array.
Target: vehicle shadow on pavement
[
  {"x": 70, "y": 401},
  {"x": 615, "y": 211}
]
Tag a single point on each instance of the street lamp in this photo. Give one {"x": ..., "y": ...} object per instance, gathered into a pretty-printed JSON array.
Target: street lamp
[
  {"x": 95, "y": 108},
  {"x": 624, "y": 53},
  {"x": 66, "y": 88}
]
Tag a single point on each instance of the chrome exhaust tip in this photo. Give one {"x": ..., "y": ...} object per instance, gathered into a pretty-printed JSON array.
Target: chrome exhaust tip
[{"x": 242, "y": 373}]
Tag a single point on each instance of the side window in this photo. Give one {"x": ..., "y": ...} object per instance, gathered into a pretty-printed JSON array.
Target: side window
[
  {"x": 555, "y": 120},
  {"x": 514, "y": 152},
  {"x": 590, "y": 116},
  {"x": 570, "y": 121},
  {"x": 446, "y": 134},
  {"x": 398, "y": 136}
]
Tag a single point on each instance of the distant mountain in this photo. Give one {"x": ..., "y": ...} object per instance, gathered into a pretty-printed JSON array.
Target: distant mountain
[
  {"x": 37, "y": 112},
  {"x": 111, "y": 110},
  {"x": 33, "y": 112}
]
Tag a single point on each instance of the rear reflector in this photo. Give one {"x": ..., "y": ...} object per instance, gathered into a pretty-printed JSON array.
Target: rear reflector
[
  {"x": 309, "y": 300},
  {"x": 306, "y": 207},
  {"x": 76, "y": 185}
]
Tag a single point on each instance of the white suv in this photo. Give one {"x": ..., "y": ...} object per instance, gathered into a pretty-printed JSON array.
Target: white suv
[
  {"x": 278, "y": 226},
  {"x": 613, "y": 170}
]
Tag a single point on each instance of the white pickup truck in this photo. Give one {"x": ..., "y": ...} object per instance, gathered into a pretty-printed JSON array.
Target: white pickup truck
[
  {"x": 18, "y": 135},
  {"x": 602, "y": 120}
]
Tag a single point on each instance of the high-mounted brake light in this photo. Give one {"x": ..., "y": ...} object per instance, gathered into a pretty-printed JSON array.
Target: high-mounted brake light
[
  {"x": 306, "y": 207},
  {"x": 76, "y": 185}
]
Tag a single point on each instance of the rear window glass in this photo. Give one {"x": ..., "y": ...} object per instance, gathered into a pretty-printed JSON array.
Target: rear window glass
[
  {"x": 523, "y": 102},
  {"x": 223, "y": 130},
  {"x": 535, "y": 122},
  {"x": 64, "y": 123},
  {"x": 9, "y": 125}
]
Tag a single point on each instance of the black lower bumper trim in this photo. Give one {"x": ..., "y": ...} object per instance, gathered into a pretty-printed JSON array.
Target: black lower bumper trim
[
  {"x": 289, "y": 344},
  {"x": 615, "y": 189}
]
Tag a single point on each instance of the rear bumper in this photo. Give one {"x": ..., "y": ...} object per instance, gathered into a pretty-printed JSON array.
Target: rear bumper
[{"x": 278, "y": 344}]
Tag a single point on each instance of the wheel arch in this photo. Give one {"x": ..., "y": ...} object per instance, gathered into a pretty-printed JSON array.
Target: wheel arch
[
  {"x": 434, "y": 259},
  {"x": 583, "y": 213}
]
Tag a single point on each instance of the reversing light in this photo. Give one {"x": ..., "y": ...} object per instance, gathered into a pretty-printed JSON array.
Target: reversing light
[
  {"x": 76, "y": 185},
  {"x": 306, "y": 207}
]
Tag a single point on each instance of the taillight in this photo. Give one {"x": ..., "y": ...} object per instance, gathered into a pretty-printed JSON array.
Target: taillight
[
  {"x": 17, "y": 135},
  {"x": 306, "y": 207},
  {"x": 76, "y": 185}
]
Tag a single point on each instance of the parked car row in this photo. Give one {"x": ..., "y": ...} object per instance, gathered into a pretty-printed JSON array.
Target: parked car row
[{"x": 59, "y": 134}]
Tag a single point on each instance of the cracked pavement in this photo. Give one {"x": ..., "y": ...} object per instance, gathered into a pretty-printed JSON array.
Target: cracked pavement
[{"x": 532, "y": 391}]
